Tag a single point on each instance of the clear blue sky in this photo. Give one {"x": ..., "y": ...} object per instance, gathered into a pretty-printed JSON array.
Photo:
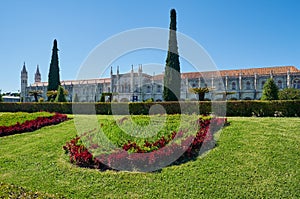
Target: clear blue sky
[{"x": 236, "y": 33}]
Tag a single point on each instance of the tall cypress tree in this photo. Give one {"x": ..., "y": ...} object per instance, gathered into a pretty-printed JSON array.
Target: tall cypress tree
[
  {"x": 53, "y": 76},
  {"x": 172, "y": 77}
]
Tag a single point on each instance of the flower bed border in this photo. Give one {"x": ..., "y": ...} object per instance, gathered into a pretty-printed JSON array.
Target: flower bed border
[
  {"x": 32, "y": 125},
  {"x": 189, "y": 147}
]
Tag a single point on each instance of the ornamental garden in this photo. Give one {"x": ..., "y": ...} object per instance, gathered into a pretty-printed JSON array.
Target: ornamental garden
[{"x": 170, "y": 149}]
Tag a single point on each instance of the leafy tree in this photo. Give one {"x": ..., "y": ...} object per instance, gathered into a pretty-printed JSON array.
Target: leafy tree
[
  {"x": 35, "y": 94},
  {"x": 51, "y": 95},
  {"x": 1, "y": 99},
  {"x": 60, "y": 97},
  {"x": 76, "y": 99},
  {"x": 289, "y": 94},
  {"x": 103, "y": 95},
  {"x": 53, "y": 76},
  {"x": 200, "y": 92},
  {"x": 172, "y": 77},
  {"x": 270, "y": 90}
]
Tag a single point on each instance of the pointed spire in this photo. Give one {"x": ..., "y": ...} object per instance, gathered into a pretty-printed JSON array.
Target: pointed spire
[
  {"x": 140, "y": 68},
  {"x": 24, "y": 68},
  {"x": 37, "y": 70},
  {"x": 118, "y": 70},
  {"x": 111, "y": 70},
  {"x": 37, "y": 75},
  {"x": 132, "y": 68}
]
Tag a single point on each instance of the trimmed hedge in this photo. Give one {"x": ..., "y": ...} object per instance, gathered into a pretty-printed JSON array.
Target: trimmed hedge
[{"x": 288, "y": 108}]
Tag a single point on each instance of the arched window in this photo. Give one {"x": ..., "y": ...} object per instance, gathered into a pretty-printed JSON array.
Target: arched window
[
  {"x": 148, "y": 89},
  {"x": 248, "y": 85},
  {"x": 262, "y": 84},
  {"x": 296, "y": 83},
  {"x": 158, "y": 89},
  {"x": 279, "y": 84},
  {"x": 233, "y": 86}
]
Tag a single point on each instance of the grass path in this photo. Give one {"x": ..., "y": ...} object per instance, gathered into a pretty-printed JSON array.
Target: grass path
[{"x": 255, "y": 158}]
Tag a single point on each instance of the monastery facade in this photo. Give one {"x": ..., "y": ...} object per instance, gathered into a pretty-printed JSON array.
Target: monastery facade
[{"x": 246, "y": 84}]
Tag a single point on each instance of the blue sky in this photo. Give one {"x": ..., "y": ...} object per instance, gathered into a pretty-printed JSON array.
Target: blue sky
[{"x": 235, "y": 33}]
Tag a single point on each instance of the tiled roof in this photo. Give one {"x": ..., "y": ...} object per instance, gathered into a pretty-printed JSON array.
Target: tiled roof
[
  {"x": 76, "y": 82},
  {"x": 231, "y": 73},
  {"x": 208, "y": 74}
]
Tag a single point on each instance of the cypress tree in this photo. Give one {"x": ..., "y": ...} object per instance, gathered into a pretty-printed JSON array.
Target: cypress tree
[
  {"x": 172, "y": 77},
  {"x": 53, "y": 76},
  {"x": 270, "y": 90},
  {"x": 60, "y": 97},
  {"x": 76, "y": 99}
]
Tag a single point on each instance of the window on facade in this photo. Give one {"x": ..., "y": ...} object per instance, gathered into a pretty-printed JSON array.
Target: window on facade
[
  {"x": 193, "y": 85},
  {"x": 279, "y": 84},
  {"x": 248, "y": 85},
  {"x": 158, "y": 89},
  {"x": 296, "y": 83},
  {"x": 233, "y": 86},
  {"x": 148, "y": 89}
]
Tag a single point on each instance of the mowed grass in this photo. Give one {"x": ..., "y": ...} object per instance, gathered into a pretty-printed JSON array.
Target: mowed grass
[
  {"x": 255, "y": 158},
  {"x": 8, "y": 119}
]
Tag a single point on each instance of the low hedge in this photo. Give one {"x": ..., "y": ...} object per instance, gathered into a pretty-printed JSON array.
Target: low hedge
[{"x": 233, "y": 108}]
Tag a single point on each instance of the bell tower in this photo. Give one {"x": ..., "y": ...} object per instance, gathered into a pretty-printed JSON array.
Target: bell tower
[
  {"x": 37, "y": 75},
  {"x": 24, "y": 82}
]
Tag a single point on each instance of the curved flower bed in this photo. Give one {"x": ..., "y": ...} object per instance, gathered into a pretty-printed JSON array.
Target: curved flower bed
[
  {"x": 149, "y": 156},
  {"x": 32, "y": 125}
]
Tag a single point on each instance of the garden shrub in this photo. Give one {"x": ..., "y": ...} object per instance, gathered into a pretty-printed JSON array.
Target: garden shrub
[{"x": 289, "y": 108}]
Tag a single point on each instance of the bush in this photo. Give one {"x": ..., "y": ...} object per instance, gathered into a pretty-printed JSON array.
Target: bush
[
  {"x": 270, "y": 90},
  {"x": 60, "y": 97},
  {"x": 233, "y": 108},
  {"x": 289, "y": 94}
]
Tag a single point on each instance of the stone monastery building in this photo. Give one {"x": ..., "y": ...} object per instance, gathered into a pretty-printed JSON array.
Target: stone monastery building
[{"x": 247, "y": 84}]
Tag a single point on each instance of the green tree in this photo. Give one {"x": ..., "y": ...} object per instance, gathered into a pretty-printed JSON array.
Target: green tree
[
  {"x": 270, "y": 90},
  {"x": 200, "y": 92},
  {"x": 76, "y": 99},
  {"x": 35, "y": 94},
  {"x": 289, "y": 94},
  {"x": 1, "y": 99},
  {"x": 53, "y": 76},
  {"x": 60, "y": 97},
  {"x": 172, "y": 77}
]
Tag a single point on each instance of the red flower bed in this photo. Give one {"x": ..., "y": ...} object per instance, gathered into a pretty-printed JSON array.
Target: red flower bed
[
  {"x": 32, "y": 125},
  {"x": 175, "y": 149}
]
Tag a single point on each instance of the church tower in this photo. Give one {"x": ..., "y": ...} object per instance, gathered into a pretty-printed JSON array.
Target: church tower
[
  {"x": 24, "y": 82},
  {"x": 37, "y": 75}
]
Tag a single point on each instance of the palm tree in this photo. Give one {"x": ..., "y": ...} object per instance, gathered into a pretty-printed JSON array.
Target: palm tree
[
  {"x": 200, "y": 91},
  {"x": 36, "y": 94}
]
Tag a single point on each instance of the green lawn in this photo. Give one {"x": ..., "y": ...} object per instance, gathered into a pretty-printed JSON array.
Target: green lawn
[
  {"x": 255, "y": 158},
  {"x": 8, "y": 119}
]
